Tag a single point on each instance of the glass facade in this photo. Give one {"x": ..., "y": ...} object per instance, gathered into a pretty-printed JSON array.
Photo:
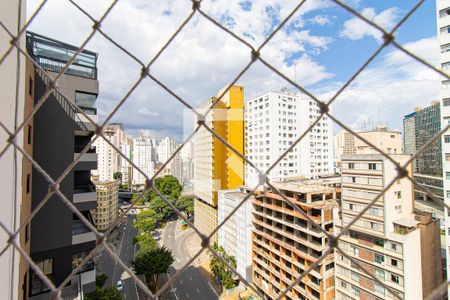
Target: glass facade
[
  {"x": 86, "y": 102},
  {"x": 53, "y": 55}
]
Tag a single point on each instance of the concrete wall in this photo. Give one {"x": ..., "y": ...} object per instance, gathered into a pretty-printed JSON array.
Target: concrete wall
[{"x": 12, "y": 87}]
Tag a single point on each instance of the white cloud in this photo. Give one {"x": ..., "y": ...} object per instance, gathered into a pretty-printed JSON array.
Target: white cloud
[
  {"x": 356, "y": 29},
  {"x": 320, "y": 20},
  {"x": 390, "y": 88},
  {"x": 199, "y": 62}
]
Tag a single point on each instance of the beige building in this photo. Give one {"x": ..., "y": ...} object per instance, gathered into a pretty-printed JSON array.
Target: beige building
[
  {"x": 388, "y": 141},
  {"x": 286, "y": 244},
  {"x": 107, "y": 204},
  {"x": 216, "y": 167},
  {"x": 398, "y": 246}
]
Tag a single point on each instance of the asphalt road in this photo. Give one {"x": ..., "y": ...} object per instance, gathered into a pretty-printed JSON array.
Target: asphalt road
[
  {"x": 191, "y": 284},
  {"x": 126, "y": 253}
]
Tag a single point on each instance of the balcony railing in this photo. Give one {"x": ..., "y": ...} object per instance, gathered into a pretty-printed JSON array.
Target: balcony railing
[
  {"x": 79, "y": 148},
  {"x": 88, "y": 188}
]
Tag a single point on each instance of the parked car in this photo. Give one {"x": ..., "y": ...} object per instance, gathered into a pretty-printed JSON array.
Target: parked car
[{"x": 120, "y": 285}]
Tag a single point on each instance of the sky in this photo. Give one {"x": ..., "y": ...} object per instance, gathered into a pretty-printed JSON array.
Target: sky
[{"x": 320, "y": 48}]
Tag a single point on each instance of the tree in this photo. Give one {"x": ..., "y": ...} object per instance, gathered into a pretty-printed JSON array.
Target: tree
[
  {"x": 146, "y": 242},
  {"x": 100, "y": 279},
  {"x": 110, "y": 293},
  {"x": 169, "y": 186},
  {"x": 220, "y": 269},
  {"x": 186, "y": 204},
  {"x": 153, "y": 263},
  {"x": 145, "y": 221},
  {"x": 117, "y": 175},
  {"x": 163, "y": 211}
]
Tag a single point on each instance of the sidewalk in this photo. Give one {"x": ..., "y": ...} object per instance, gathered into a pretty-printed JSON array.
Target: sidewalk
[{"x": 193, "y": 246}]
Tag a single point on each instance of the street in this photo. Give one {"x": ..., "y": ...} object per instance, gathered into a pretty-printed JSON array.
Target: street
[
  {"x": 191, "y": 284},
  {"x": 126, "y": 251}
]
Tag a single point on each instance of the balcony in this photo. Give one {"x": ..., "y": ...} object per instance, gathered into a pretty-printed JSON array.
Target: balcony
[
  {"x": 81, "y": 233},
  {"x": 84, "y": 193},
  {"x": 52, "y": 55}
]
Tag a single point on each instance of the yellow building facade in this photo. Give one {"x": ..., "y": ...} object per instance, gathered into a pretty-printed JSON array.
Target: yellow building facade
[
  {"x": 107, "y": 204},
  {"x": 217, "y": 167}
]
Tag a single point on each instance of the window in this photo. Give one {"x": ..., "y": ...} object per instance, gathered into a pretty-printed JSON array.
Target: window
[
  {"x": 372, "y": 166},
  {"x": 445, "y": 48},
  {"x": 447, "y": 139},
  {"x": 29, "y": 134},
  {"x": 28, "y": 187},
  {"x": 444, "y": 12},
  {"x": 86, "y": 102},
  {"x": 444, "y": 30},
  {"x": 446, "y": 102},
  {"x": 379, "y": 259},
  {"x": 393, "y": 247},
  {"x": 398, "y": 194},
  {"x": 379, "y": 243},
  {"x": 351, "y": 165},
  {"x": 30, "y": 87},
  {"x": 355, "y": 291},
  {"x": 77, "y": 258},
  {"x": 394, "y": 263},
  {"x": 445, "y": 66},
  {"x": 355, "y": 276},
  {"x": 446, "y": 83},
  {"x": 379, "y": 288},
  {"x": 447, "y": 156},
  {"x": 27, "y": 237},
  {"x": 447, "y": 175},
  {"x": 37, "y": 285},
  {"x": 379, "y": 274},
  {"x": 395, "y": 278}
]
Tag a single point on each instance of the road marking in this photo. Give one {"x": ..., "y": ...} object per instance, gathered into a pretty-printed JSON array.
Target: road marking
[
  {"x": 181, "y": 282},
  {"x": 187, "y": 295},
  {"x": 209, "y": 283},
  {"x": 190, "y": 277},
  {"x": 198, "y": 291}
]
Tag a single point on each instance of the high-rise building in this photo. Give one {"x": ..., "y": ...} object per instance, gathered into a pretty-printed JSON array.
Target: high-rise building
[
  {"x": 166, "y": 147},
  {"x": 107, "y": 155},
  {"x": 217, "y": 167},
  {"x": 443, "y": 24},
  {"x": 394, "y": 243},
  {"x": 16, "y": 74},
  {"x": 286, "y": 244},
  {"x": 274, "y": 121},
  {"x": 125, "y": 166},
  {"x": 388, "y": 141},
  {"x": 143, "y": 152},
  {"x": 106, "y": 211},
  {"x": 235, "y": 236},
  {"x": 59, "y": 239},
  {"x": 176, "y": 168},
  {"x": 419, "y": 128}
]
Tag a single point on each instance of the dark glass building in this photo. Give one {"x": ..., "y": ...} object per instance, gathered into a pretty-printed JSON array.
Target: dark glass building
[{"x": 59, "y": 240}]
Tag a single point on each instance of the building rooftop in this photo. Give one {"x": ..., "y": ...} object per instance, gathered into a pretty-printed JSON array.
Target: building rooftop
[{"x": 53, "y": 55}]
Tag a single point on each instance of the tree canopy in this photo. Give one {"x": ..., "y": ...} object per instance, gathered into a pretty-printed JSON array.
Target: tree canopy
[
  {"x": 153, "y": 263},
  {"x": 186, "y": 204},
  {"x": 220, "y": 269},
  {"x": 117, "y": 175}
]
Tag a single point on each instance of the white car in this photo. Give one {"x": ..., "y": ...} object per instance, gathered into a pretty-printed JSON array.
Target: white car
[{"x": 120, "y": 285}]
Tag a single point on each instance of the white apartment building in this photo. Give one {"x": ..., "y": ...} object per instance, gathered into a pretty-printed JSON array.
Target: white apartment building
[
  {"x": 107, "y": 155},
  {"x": 274, "y": 121},
  {"x": 166, "y": 148},
  {"x": 235, "y": 236},
  {"x": 176, "y": 168},
  {"x": 143, "y": 151},
  {"x": 394, "y": 243},
  {"x": 443, "y": 24},
  {"x": 125, "y": 166}
]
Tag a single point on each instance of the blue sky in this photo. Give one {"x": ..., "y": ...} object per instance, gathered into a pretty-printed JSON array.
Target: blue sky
[{"x": 322, "y": 46}]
